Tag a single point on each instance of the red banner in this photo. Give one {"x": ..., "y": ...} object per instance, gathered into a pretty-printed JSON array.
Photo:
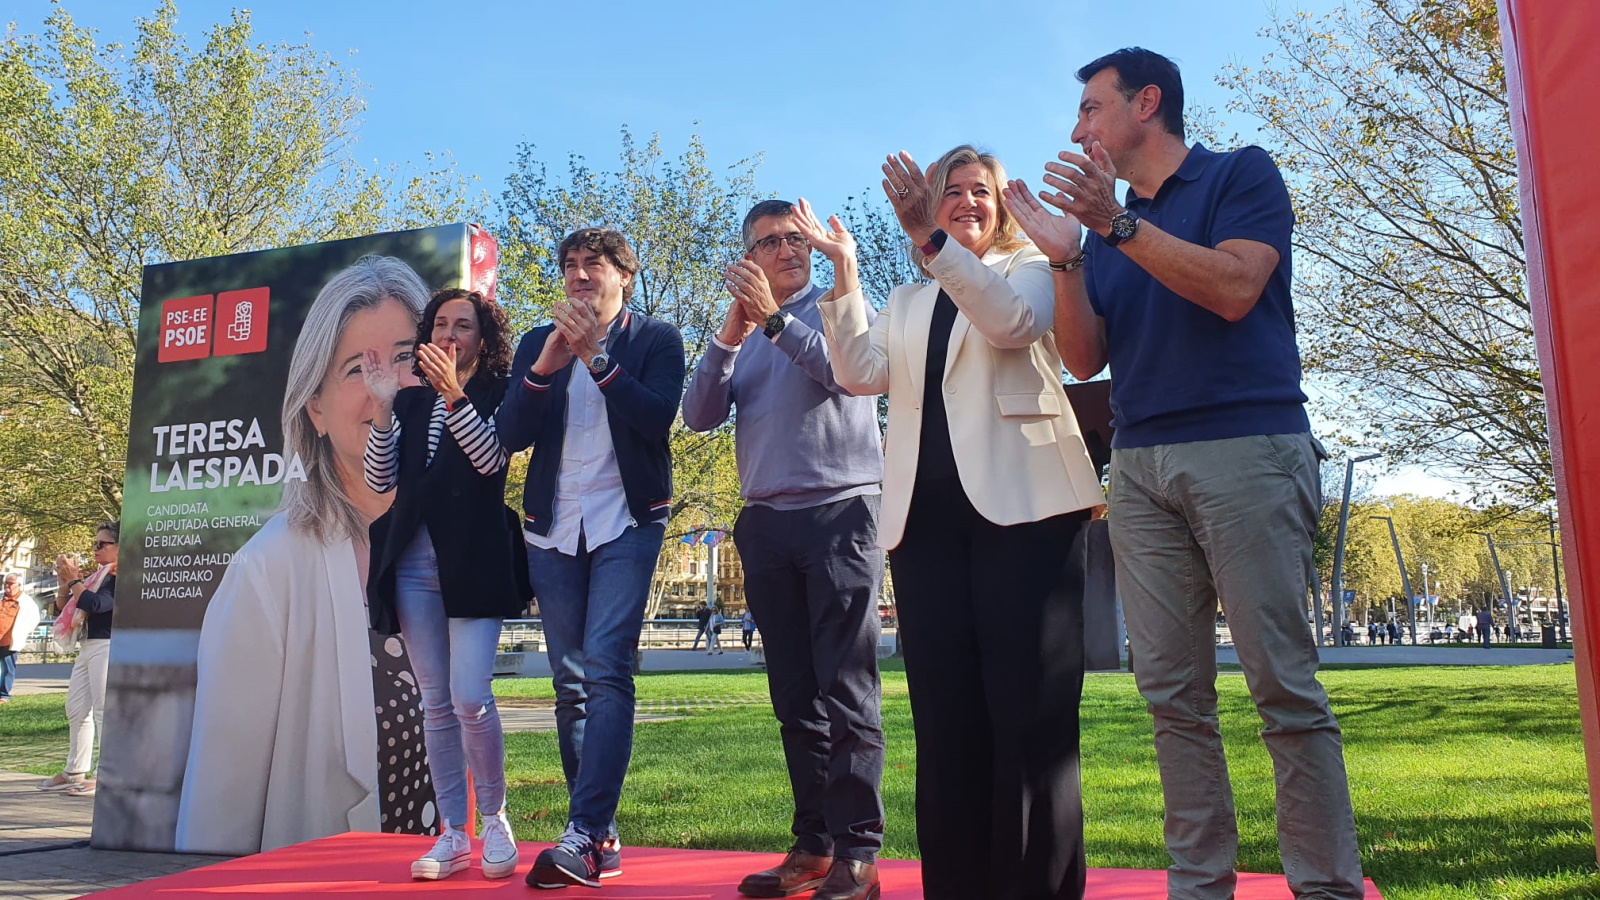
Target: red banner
[{"x": 1551, "y": 71}]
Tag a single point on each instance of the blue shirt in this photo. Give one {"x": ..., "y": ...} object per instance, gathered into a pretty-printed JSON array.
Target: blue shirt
[{"x": 1181, "y": 373}]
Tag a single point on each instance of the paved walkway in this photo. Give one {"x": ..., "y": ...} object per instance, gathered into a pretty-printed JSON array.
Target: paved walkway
[
  {"x": 44, "y": 837},
  {"x": 42, "y": 678},
  {"x": 44, "y": 847}
]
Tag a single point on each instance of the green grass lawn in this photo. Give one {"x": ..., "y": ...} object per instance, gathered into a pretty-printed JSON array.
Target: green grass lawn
[{"x": 1468, "y": 783}]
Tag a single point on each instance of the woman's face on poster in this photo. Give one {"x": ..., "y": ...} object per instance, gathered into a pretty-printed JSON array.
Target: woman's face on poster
[{"x": 343, "y": 409}]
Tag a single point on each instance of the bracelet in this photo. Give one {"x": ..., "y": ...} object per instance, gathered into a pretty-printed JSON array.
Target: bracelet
[{"x": 1067, "y": 265}]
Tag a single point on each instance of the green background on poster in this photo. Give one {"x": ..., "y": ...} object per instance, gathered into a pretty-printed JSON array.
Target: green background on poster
[
  {"x": 245, "y": 387},
  {"x": 176, "y": 543}
]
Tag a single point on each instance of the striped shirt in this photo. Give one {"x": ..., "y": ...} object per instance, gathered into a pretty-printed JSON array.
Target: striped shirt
[{"x": 472, "y": 433}]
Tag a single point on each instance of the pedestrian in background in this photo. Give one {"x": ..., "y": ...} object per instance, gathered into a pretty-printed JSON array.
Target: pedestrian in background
[
  {"x": 18, "y": 616},
  {"x": 702, "y": 627},
  {"x": 85, "y": 620},
  {"x": 714, "y": 632}
]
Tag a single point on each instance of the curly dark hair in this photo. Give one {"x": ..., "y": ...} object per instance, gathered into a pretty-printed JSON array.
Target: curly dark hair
[{"x": 494, "y": 358}]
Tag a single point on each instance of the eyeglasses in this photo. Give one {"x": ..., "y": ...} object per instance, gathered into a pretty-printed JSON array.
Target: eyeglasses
[
  {"x": 99, "y": 544},
  {"x": 769, "y": 245}
]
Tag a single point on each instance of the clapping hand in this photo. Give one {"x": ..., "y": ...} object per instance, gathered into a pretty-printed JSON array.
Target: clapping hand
[
  {"x": 67, "y": 569},
  {"x": 440, "y": 369},
  {"x": 908, "y": 192},
  {"x": 554, "y": 355},
  {"x": 750, "y": 288},
  {"x": 834, "y": 242},
  {"x": 736, "y": 326},
  {"x": 1086, "y": 187},
  {"x": 577, "y": 323},
  {"x": 1058, "y": 237}
]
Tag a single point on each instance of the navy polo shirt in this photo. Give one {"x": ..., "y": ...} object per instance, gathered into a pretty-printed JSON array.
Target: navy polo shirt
[{"x": 1181, "y": 373}]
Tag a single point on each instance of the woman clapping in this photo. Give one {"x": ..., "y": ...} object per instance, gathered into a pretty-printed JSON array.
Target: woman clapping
[
  {"x": 987, "y": 487},
  {"x": 447, "y": 559}
]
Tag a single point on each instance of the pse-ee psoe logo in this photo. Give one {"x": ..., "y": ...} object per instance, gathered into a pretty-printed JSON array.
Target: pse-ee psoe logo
[{"x": 197, "y": 327}]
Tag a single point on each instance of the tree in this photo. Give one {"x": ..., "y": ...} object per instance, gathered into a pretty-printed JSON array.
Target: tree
[
  {"x": 1390, "y": 120},
  {"x": 1445, "y": 535},
  {"x": 115, "y": 158}
]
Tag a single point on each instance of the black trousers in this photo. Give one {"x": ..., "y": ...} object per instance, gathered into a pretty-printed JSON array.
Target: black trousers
[
  {"x": 811, "y": 577},
  {"x": 991, "y": 622}
]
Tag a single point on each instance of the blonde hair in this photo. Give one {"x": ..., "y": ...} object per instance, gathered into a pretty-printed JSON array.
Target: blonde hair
[
  {"x": 1007, "y": 234},
  {"x": 318, "y": 505}
]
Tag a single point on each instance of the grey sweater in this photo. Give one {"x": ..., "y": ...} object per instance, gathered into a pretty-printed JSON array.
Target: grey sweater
[{"x": 801, "y": 440}]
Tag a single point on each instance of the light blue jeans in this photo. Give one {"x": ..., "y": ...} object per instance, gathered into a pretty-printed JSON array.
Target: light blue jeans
[
  {"x": 454, "y": 663},
  {"x": 592, "y": 607}
]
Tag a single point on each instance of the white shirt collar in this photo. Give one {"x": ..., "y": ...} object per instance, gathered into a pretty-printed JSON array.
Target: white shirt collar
[{"x": 810, "y": 286}]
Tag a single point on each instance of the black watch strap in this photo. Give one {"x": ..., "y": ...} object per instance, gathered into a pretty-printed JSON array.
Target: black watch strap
[
  {"x": 1130, "y": 227},
  {"x": 774, "y": 325}
]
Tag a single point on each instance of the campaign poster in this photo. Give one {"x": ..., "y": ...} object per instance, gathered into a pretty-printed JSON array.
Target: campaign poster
[{"x": 246, "y": 694}]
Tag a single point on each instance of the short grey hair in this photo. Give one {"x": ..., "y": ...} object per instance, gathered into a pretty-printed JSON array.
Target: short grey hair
[
  {"x": 318, "y": 505},
  {"x": 762, "y": 210}
]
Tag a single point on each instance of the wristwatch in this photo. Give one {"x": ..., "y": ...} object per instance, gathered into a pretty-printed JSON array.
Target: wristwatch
[
  {"x": 598, "y": 363},
  {"x": 1124, "y": 225},
  {"x": 774, "y": 325}
]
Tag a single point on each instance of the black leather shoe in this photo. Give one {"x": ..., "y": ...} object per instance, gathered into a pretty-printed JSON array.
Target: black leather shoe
[
  {"x": 849, "y": 879},
  {"x": 799, "y": 872}
]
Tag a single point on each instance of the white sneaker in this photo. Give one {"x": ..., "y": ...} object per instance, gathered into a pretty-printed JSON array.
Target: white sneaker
[
  {"x": 499, "y": 847},
  {"x": 451, "y": 853}
]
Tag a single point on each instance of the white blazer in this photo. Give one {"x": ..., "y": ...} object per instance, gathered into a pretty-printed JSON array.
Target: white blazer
[
  {"x": 285, "y": 739},
  {"x": 1017, "y": 446}
]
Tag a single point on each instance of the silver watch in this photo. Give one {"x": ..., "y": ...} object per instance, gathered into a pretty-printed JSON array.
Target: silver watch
[{"x": 599, "y": 363}]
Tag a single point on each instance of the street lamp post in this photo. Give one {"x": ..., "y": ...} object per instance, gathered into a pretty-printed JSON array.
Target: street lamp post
[
  {"x": 1405, "y": 580},
  {"x": 1338, "y": 549},
  {"x": 1505, "y": 585},
  {"x": 1427, "y": 600},
  {"x": 1561, "y": 602}
]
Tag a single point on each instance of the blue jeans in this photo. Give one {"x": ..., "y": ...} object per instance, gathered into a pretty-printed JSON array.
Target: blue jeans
[
  {"x": 454, "y": 663},
  {"x": 8, "y": 671},
  {"x": 592, "y": 606}
]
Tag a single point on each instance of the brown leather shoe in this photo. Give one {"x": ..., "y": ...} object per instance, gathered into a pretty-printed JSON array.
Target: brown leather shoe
[
  {"x": 799, "y": 872},
  {"x": 849, "y": 879}
]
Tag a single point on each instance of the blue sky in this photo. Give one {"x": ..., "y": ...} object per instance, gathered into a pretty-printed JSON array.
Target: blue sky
[{"x": 822, "y": 89}]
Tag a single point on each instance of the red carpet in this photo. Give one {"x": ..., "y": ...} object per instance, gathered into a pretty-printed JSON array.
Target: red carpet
[{"x": 377, "y": 865}]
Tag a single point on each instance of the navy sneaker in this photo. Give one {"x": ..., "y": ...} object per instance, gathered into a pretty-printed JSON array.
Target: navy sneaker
[
  {"x": 574, "y": 860},
  {"x": 611, "y": 857}
]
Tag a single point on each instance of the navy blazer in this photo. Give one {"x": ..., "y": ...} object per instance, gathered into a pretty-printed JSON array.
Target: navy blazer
[
  {"x": 642, "y": 387},
  {"x": 483, "y": 562}
]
